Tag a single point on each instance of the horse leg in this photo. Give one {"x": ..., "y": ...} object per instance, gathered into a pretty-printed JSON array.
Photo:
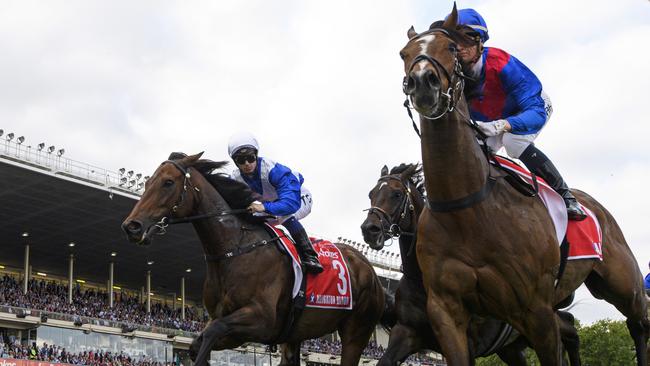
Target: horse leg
[
  {"x": 570, "y": 338},
  {"x": 449, "y": 321},
  {"x": 290, "y": 354},
  {"x": 227, "y": 332},
  {"x": 541, "y": 329},
  {"x": 355, "y": 335},
  {"x": 629, "y": 298},
  {"x": 513, "y": 353},
  {"x": 403, "y": 342},
  {"x": 195, "y": 346}
]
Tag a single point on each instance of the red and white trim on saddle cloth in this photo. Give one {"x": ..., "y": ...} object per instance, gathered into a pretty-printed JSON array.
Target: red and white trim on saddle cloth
[
  {"x": 329, "y": 289},
  {"x": 585, "y": 238},
  {"x": 295, "y": 259},
  {"x": 552, "y": 200}
]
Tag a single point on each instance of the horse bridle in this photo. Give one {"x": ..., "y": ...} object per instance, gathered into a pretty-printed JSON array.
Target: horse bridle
[
  {"x": 394, "y": 219},
  {"x": 166, "y": 221},
  {"x": 452, "y": 100},
  {"x": 452, "y": 94}
]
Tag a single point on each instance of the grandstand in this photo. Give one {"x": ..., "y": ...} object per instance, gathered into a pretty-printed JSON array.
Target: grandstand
[{"x": 73, "y": 290}]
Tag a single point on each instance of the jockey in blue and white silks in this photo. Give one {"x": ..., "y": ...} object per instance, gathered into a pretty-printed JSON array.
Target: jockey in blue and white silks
[
  {"x": 282, "y": 191},
  {"x": 508, "y": 104}
]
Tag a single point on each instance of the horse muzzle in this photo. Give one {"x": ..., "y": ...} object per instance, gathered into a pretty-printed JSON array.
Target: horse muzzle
[
  {"x": 423, "y": 88},
  {"x": 372, "y": 234},
  {"x": 139, "y": 233}
]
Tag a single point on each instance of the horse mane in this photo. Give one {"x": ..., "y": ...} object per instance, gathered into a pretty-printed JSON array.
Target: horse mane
[
  {"x": 416, "y": 177},
  {"x": 238, "y": 195}
]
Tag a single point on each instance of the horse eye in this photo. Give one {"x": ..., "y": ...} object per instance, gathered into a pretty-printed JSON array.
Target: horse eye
[
  {"x": 168, "y": 183},
  {"x": 397, "y": 194},
  {"x": 402, "y": 55},
  {"x": 453, "y": 47}
]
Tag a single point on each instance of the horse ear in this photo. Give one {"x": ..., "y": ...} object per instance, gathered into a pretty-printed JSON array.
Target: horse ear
[
  {"x": 190, "y": 160},
  {"x": 406, "y": 175},
  {"x": 206, "y": 166},
  {"x": 452, "y": 19},
  {"x": 411, "y": 32},
  {"x": 176, "y": 155},
  {"x": 384, "y": 171}
]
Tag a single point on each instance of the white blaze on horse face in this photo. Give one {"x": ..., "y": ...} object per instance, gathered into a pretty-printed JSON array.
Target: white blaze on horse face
[
  {"x": 424, "y": 46},
  {"x": 382, "y": 185}
]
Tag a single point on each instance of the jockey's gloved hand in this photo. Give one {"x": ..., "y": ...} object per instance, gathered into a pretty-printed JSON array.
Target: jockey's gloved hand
[
  {"x": 256, "y": 207},
  {"x": 494, "y": 128}
]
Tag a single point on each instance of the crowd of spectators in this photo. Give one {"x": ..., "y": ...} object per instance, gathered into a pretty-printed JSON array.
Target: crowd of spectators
[
  {"x": 52, "y": 297},
  {"x": 372, "y": 350},
  {"x": 56, "y": 354}
]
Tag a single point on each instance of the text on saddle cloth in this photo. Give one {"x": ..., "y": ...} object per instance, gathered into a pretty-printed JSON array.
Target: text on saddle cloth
[{"x": 330, "y": 289}]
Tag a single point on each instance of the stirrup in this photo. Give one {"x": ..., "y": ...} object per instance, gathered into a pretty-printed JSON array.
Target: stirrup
[
  {"x": 311, "y": 267},
  {"x": 576, "y": 213}
]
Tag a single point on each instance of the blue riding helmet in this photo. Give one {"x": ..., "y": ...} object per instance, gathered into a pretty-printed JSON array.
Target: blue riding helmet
[{"x": 474, "y": 20}]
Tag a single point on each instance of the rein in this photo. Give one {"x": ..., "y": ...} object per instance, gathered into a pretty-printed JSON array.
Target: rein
[
  {"x": 166, "y": 221},
  {"x": 484, "y": 192}
]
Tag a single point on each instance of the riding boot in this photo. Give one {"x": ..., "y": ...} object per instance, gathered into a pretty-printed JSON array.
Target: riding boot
[
  {"x": 308, "y": 255},
  {"x": 540, "y": 165}
]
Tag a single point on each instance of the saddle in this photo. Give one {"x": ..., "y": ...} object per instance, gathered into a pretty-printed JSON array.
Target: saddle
[{"x": 514, "y": 179}]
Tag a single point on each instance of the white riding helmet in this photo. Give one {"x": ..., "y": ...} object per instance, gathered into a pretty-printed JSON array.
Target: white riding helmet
[{"x": 241, "y": 140}]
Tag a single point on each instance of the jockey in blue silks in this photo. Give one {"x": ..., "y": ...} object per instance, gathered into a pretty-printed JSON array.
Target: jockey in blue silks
[
  {"x": 646, "y": 283},
  {"x": 282, "y": 191},
  {"x": 509, "y": 105}
]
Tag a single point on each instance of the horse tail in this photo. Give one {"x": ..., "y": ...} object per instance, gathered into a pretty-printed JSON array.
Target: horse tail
[{"x": 389, "y": 316}]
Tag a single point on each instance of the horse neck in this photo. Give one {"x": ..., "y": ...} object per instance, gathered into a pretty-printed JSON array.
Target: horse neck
[
  {"x": 218, "y": 234},
  {"x": 453, "y": 163},
  {"x": 410, "y": 267}
]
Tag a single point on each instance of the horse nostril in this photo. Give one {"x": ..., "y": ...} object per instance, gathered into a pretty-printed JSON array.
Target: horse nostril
[
  {"x": 409, "y": 84},
  {"x": 132, "y": 227},
  {"x": 370, "y": 228},
  {"x": 431, "y": 79},
  {"x": 374, "y": 229}
]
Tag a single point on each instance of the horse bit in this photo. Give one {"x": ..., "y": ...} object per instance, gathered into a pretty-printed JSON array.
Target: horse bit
[{"x": 394, "y": 230}]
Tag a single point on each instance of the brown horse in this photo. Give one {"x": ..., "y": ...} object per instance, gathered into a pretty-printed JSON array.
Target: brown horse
[
  {"x": 396, "y": 202},
  {"x": 484, "y": 248},
  {"x": 247, "y": 290}
]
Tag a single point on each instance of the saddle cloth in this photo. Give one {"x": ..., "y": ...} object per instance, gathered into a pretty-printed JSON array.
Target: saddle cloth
[
  {"x": 329, "y": 289},
  {"x": 584, "y": 237}
]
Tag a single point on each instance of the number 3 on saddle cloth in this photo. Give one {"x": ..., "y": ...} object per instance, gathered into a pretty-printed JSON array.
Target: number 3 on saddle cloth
[
  {"x": 584, "y": 237},
  {"x": 329, "y": 289}
]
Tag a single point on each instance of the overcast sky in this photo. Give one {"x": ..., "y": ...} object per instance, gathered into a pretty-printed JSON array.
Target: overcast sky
[{"x": 123, "y": 83}]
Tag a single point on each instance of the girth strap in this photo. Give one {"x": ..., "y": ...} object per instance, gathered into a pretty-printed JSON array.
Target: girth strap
[{"x": 241, "y": 250}]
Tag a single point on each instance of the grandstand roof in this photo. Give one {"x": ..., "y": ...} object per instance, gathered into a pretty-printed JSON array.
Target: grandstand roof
[{"x": 57, "y": 208}]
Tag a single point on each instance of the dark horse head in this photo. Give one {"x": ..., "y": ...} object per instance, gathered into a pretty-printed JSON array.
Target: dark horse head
[
  {"x": 170, "y": 193},
  {"x": 393, "y": 203}
]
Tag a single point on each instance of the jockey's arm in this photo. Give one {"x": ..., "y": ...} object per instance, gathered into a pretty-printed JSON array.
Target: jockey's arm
[
  {"x": 287, "y": 187},
  {"x": 524, "y": 89}
]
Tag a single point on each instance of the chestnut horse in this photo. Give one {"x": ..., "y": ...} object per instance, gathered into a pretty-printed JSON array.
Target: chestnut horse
[
  {"x": 248, "y": 293},
  {"x": 483, "y": 248},
  {"x": 396, "y": 203}
]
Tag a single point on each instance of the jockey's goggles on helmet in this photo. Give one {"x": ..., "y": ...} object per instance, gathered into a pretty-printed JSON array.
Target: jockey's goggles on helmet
[{"x": 243, "y": 159}]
